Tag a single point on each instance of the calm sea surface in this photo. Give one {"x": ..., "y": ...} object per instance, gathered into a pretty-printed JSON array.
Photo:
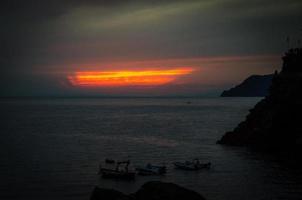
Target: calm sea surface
[{"x": 51, "y": 148}]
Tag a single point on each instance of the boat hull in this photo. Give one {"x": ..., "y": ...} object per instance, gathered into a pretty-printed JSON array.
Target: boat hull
[
  {"x": 191, "y": 166},
  {"x": 151, "y": 170}
]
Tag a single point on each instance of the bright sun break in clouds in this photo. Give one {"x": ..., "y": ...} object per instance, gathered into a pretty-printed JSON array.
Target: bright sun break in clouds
[{"x": 126, "y": 78}]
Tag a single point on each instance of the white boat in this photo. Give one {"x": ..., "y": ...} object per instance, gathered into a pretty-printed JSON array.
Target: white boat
[
  {"x": 150, "y": 169},
  {"x": 118, "y": 173},
  {"x": 192, "y": 165}
]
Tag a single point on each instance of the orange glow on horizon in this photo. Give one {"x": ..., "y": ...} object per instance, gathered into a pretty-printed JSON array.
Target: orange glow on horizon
[{"x": 126, "y": 78}]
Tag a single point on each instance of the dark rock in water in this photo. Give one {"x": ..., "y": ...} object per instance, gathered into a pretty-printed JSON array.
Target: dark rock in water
[
  {"x": 154, "y": 190},
  {"x": 275, "y": 123},
  {"x": 253, "y": 86},
  {"x": 108, "y": 194}
]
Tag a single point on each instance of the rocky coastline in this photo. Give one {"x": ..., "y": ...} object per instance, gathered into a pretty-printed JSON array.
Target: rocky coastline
[
  {"x": 253, "y": 86},
  {"x": 275, "y": 122}
]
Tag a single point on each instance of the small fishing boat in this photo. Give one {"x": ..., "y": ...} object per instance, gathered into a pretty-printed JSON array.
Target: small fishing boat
[
  {"x": 118, "y": 173},
  {"x": 192, "y": 165},
  {"x": 150, "y": 169}
]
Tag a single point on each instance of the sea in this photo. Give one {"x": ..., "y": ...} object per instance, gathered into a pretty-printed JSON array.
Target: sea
[{"x": 51, "y": 148}]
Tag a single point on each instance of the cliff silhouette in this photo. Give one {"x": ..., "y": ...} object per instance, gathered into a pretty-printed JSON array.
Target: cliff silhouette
[
  {"x": 253, "y": 86},
  {"x": 275, "y": 123}
]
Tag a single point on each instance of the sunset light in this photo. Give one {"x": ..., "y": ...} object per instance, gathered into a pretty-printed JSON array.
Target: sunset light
[{"x": 126, "y": 78}]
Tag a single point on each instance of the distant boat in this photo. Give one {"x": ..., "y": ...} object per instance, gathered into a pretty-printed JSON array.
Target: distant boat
[
  {"x": 192, "y": 165},
  {"x": 118, "y": 173},
  {"x": 150, "y": 169}
]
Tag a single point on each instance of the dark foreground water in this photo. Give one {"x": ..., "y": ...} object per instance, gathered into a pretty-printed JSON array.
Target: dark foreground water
[{"x": 51, "y": 148}]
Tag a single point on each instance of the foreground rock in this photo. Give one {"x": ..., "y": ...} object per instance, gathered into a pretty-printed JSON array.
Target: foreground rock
[
  {"x": 253, "y": 86},
  {"x": 275, "y": 123},
  {"x": 154, "y": 190},
  {"x": 108, "y": 194}
]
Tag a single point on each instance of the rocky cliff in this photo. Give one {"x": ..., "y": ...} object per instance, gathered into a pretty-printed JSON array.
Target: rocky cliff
[
  {"x": 276, "y": 121},
  {"x": 253, "y": 86}
]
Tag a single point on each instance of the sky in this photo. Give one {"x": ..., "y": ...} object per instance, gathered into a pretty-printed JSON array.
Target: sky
[{"x": 141, "y": 47}]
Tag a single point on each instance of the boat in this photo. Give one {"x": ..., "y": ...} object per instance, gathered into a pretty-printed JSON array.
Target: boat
[
  {"x": 150, "y": 169},
  {"x": 192, "y": 165},
  {"x": 118, "y": 173}
]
